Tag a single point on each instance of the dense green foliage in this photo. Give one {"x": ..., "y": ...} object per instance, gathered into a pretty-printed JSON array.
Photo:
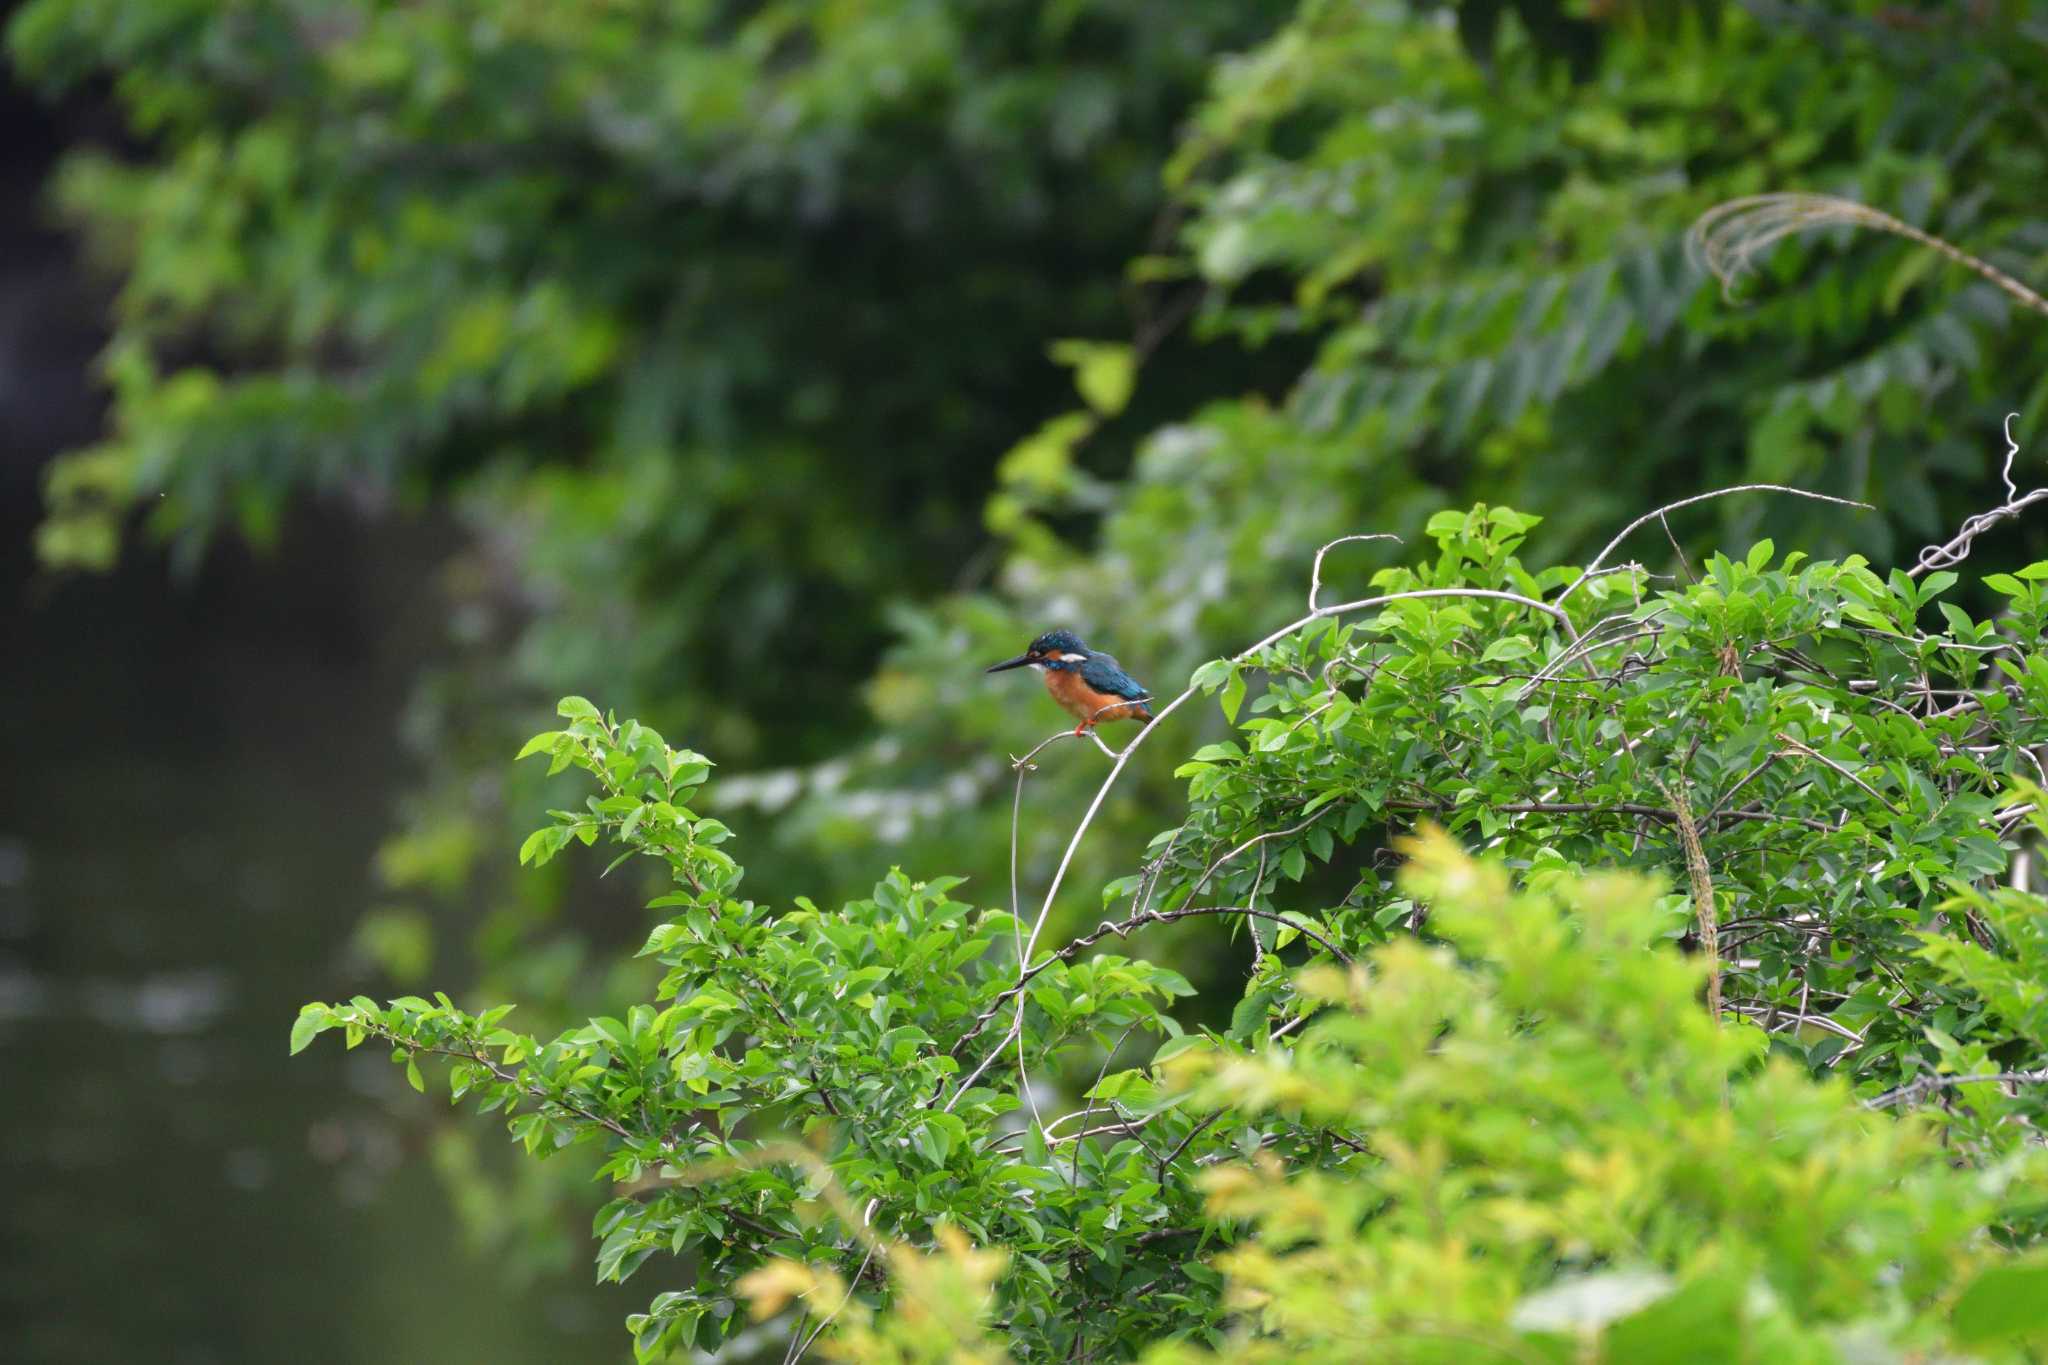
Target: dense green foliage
[
  {"x": 817, "y": 1090},
  {"x": 1841, "y": 765},
  {"x": 1491, "y": 266},
  {"x": 649, "y": 286},
  {"x": 716, "y": 326}
]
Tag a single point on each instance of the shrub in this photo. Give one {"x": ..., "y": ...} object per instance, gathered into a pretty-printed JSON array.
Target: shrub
[{"x": 1444, "y": 1115}]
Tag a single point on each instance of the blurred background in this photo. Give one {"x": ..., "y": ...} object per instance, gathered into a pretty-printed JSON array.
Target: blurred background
[{"x": 373, "y": 374}]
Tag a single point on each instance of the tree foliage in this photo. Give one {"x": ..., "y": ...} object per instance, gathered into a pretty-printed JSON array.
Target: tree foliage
[
  {"x": 685, "y": 310},
  {"x": 1490, "y": 264},
  {"x": 1443, "y": 1112},
  {"x": 645, "y": 286}
]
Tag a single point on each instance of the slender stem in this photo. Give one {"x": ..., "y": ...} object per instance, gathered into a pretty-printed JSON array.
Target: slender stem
[
  {"x": 1315, "y": 576},
  {"x": 1251, "y": 843},
  {"x": 1827, "y": 762},
  {"x": 1658, "y": 514},
  {"x": 1913, "y": 1090}
]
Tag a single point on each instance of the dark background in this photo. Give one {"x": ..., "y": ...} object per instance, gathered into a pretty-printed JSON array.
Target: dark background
[{"x": 214, "y": 762}]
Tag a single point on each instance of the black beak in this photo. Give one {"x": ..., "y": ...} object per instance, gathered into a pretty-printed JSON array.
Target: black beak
[{"x": 1018, "y": 662}]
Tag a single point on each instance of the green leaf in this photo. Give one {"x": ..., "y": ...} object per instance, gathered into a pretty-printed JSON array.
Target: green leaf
[
  {"x": 1250, "y": 1015},
  {"x": 535, "y": 849},
  {"x": 938, "y": 1135},
  {"x": 1935, "y": 584},
  {"x": 313, "y": 1020},
  {"x": 2004, "y": 1301},
  {"x": 1214, "y": 753},
  {"x": 412, "y": 1074},
  {"x": 539, "y": 744},
  {"x": 575, "y": 708},
  {"x": 1104, "y": 372},
  {"x": 1233, "y": 695},
  {"x": 1911, "y": 267},
  {"x": 1111, "y": 1086},
  {"x": 1701, "y": 1323},
  {"x": 1210, "y": 675}
]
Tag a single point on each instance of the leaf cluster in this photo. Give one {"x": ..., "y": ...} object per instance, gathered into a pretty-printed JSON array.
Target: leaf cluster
[
  {"x": 1844, "y": 763},
  {"x": 1442, "y": 1112}
]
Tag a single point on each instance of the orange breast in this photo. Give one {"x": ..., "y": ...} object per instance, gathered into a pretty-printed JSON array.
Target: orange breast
[{"x": 1083, "y": 702}]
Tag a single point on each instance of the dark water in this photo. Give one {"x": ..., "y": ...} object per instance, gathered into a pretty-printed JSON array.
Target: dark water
[
  {"x": 191, "y": 783},
  {"x": 192, "y": 780}
]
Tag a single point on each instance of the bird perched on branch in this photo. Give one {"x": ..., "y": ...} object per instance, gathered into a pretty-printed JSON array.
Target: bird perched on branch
[{"x": 1091, "y": 686}]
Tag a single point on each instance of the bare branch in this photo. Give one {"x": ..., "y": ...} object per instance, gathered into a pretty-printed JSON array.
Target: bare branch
[
  {"x": 1660, "y": 512},
  {"x": 1315, "y": 577},
  {"x": 1827, "y": 762},
  {"x": 1927, "y": 1085}
]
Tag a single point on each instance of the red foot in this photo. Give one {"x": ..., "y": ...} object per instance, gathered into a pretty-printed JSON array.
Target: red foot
[{"x": 1082, "y": 728}]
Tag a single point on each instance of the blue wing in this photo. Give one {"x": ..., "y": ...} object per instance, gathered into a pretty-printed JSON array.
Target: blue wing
[{"x": 1104, "y": 674}]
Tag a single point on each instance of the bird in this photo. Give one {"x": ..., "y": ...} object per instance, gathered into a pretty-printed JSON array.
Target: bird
[{"x": 1090, "y": 685}]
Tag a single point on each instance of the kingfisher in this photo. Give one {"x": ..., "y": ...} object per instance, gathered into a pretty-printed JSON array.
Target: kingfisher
[{"x": 1089, "y": 684}]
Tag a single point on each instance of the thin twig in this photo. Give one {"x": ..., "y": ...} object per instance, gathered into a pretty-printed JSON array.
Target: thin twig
[
  {"x": 1690, "y": 576},
  {"x": 1121, "y": 929},
  {"x": 826, "y": 1320},
  {"x": 1074, "y": 1175},
  {"x": 1827, "y": 762},
  {"x": 1315, "y": 576},
  {"x": 1252, "y": 843},
  {"x": 1016, "y": 1031},
  {"x": 1659, "y": 513},
  {"x": 1182, "y": 1145},
  {"x": 1742, "y": 782},
  {"x": 1926, "y": 1085},
  {"x": 1590, "y": 641},
  {"x": 1669, "y": 817}
]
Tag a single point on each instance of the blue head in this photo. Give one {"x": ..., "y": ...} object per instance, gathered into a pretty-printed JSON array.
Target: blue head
[{"x": 1054, "y": 649}]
